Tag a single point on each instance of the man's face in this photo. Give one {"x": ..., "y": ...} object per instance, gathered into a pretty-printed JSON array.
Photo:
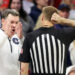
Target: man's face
[
  {"x": 42, "y": 2},
  {"x": 64, "y": 13},
  {"x": 12, "y": 21},
  {"x": 16, "y": 4}
]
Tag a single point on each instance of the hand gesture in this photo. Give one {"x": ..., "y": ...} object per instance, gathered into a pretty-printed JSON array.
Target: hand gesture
[
  {"x": 56, "y": 19},
  {"x": 7, "y": 29},
  {"x": 19, "y": 30}
]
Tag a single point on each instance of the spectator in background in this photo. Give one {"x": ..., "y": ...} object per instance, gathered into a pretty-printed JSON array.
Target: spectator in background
[
  {"x": 55, "y": 3},
  {"x": 4, "y": 4},
  {"x": 27, "y": 4},
  {"x": 26, "y": 20},
  {"x": 63, "y": 12},
  {"x": 1, "y": 2},
  {"x": 36, "y": 10},
  {"x": 68, "y": 2},
  {"x": 72, "y": 11}
]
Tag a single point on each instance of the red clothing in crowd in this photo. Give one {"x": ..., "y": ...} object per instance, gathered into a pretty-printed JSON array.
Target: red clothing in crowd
[
  {"x": 56, "y": 3},
  {"x": 5, "y": 4}
]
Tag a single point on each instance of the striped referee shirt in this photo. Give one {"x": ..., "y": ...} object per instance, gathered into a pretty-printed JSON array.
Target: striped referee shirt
[{"x": 46, "y": 49}]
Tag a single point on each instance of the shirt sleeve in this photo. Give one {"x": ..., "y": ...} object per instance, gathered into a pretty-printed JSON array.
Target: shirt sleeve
[
  {"x": 70, "y": 69},
  {"x": 3, "y": 37},
  {"x": 25, "y": 53},
  {"x": 69, "y": 33}
]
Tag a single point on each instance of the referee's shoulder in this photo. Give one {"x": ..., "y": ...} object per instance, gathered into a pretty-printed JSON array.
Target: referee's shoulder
[{"x": 34, "y": 32}]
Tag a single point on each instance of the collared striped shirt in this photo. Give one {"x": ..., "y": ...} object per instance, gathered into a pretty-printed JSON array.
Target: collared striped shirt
[{"x": 47, "y": 49}]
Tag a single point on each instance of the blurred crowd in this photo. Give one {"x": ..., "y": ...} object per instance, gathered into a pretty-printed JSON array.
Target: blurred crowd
[{"x": 31, "y": 9}]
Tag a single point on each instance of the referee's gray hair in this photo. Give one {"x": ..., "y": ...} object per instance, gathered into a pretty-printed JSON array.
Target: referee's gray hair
[{"x": 6, "y": 12}]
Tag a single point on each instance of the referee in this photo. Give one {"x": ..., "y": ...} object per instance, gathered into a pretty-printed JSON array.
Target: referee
[{"x": 46, "y": 48}]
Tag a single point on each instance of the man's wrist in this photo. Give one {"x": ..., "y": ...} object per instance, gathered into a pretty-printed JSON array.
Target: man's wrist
[{"x": 62, "y": 20}]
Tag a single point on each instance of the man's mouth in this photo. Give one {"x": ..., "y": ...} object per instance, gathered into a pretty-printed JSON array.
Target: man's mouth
[{"x": 13, "y": 30}]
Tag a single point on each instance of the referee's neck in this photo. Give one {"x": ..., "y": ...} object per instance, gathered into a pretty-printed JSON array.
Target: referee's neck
[{"x": 47, "y": 24}]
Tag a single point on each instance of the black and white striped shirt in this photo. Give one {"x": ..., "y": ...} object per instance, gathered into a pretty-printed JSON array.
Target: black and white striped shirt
[{"x": 47, "y": 49}]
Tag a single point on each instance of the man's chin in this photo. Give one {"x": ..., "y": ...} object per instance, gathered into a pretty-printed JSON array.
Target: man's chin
[{"x": 12, "y": 34}]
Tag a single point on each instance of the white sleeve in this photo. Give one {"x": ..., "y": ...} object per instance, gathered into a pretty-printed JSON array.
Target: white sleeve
[
  {"x": 72, "y": 52},
  {"x": 69, "y": 69},
  {"x": 3, "y": 37}
]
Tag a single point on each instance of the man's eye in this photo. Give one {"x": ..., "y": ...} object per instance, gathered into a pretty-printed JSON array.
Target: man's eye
[
  {"x": 16, "y": 22},
  {"x": 12, "y": 22}
]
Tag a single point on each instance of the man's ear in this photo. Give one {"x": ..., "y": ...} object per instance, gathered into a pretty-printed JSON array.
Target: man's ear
[
  {"x": 42, "y": 19},
  {"x": 2, "y": 20}
]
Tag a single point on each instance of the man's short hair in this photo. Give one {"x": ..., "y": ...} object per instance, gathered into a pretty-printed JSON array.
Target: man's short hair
[
  {"x": 6, "y": 12},
  {"x": 48, "y": 12},
  {"x": 64, "y": 7}
]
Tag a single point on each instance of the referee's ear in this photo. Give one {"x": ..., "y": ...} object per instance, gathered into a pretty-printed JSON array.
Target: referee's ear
[{"x": 43, "y": 19}]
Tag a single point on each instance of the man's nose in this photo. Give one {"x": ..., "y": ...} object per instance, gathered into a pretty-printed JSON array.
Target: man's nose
[{"x": 14, "y": 24}]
